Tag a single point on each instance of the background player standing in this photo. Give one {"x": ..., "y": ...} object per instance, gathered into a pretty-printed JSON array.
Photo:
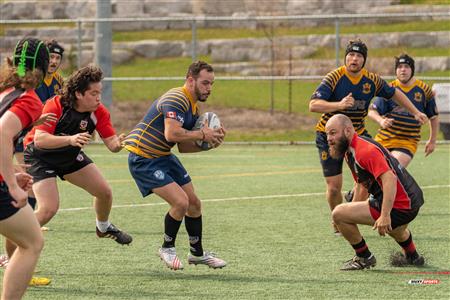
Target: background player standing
[
  {"x": 48, "y": 88},
  {"x": 53, "y": 81},
  {"x": 400, "y": 132},
  {"x": 155, "y": 169}
]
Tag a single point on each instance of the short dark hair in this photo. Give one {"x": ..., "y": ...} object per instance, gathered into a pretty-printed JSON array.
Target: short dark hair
[
  {"x": 196, "y": 67},
  {"x": 79, "y": 81}
]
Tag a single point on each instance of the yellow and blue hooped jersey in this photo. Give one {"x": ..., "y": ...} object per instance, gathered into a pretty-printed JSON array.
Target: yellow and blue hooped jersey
[
  {"x": 405, "y": 131},
  {"x": 147, "y": 138},
  {"x": 50, "y": 86},
  {"x": 339, "y": 83}
]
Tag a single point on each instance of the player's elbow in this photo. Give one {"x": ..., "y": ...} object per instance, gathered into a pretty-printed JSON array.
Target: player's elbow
[
  {"x": 170, "y": 137},
  {"x": 115, "y": 148},
  {"x": 313, "y": 106},
  {"x": 39, "y": 140}
]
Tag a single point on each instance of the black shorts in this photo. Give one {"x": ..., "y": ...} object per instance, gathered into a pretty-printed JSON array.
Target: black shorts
[
  {"x": 399, "y": 217},
  {"x": 41, "y": 170},
  {"x": 330, "y": 166},
  {"x": 6, "y": 208}
]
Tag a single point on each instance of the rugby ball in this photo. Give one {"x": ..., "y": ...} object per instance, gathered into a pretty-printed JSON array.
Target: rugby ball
[{"x": 212, "y": 121}]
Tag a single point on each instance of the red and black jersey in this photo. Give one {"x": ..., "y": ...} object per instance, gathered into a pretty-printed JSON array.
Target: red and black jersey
[
  {"x": 70, "y": 122},
  {"x": 27, "y": 107},
  {"x": 368, "y": 160}
]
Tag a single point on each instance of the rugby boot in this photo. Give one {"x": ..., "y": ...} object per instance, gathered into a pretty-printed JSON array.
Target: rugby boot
[
  {"x": 208, "y": 258},
  {"x": 116, "y": 234},
  {"x": 359, "y": 263},
  {"x": 170, "y": 258},
  {"x": 39, "y": 281}
]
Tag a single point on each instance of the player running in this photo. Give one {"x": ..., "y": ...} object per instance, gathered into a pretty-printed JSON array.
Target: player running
[{"x": 169, "y": 122}]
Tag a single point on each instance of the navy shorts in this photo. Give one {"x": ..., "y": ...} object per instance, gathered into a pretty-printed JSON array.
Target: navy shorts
[
  {"x": 157, "y": 172},
  {"x": 41, "y": 170},
  {"x": 18, "y": 147},
  {"x": 330, "y": 166}
]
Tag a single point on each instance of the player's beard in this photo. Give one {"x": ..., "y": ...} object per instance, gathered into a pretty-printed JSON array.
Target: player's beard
[
  {"x": 405, "y": 82},
  {"x": 339, "y": 148},
  {"x": 200, "y": 97}
]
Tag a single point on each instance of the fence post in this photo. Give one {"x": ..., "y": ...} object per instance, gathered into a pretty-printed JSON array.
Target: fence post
[
  {"x": 290, "y": 82},
  {"x": 103, "y": 48},
  {"x": 194, "y": 41},
  {"x": 272, "y": 69},
  {"x": 338, "y": 43},
  {"x": 79, "y": 50}
]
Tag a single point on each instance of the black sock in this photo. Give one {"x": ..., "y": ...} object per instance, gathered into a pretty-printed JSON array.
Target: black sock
[
  {"x": 194, "y": 230},
  {"x": 32, "y": 202},
  {"x": 171, "y": 227},
  {"x": 361, "y": 249},
  {"x": 409, "y": 247}
]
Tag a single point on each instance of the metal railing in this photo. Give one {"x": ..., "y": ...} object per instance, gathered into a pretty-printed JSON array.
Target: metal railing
[{"x": 196, "y": 20}]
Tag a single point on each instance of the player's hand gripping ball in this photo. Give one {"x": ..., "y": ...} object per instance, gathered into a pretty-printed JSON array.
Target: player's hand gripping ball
[{"x": 212, "y": 121}]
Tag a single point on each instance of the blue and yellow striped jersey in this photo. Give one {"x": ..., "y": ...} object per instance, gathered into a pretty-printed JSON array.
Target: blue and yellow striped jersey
[
  {"x": 405, "y": 127},
  {"x": 147, "y": 138},
  {"x": 339, "y": 83},
  {"x": 50, "y": 86}
]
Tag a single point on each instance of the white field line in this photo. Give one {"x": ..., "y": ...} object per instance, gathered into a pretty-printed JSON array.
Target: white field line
[{"x": 233, "y": 199}]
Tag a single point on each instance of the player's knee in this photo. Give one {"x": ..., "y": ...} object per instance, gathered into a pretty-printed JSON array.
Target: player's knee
[
  {"x": 45, "y": 214},
  {"x": 333, "y": 191},
  {"x": 195, "y": 205},
  {"x": 105, "y": 193},
  {"x": 181, "y": 204},
  {"x": 34, "y": 245},
  {"x": 338, "y": 214}
]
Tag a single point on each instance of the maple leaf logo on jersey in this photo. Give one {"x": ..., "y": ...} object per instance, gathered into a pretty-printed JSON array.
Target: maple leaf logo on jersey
[
  {"x": 171, "y": 115},
  {"x": 366, "y": 88}
]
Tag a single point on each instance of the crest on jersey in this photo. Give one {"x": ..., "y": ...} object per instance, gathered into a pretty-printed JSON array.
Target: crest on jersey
[
  {"x": 324, "y": 155},
  {"x": 56, "y": 87},
  {"x": 366, "y": 88},
  {"x": 418, "y": 97},
  {"x": 83, "y": 124}
]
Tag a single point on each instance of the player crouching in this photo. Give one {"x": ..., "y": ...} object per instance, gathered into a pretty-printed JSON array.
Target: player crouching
[
  {"x": 395, "y": 196},
  {"x": 56, "y": 149}
]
